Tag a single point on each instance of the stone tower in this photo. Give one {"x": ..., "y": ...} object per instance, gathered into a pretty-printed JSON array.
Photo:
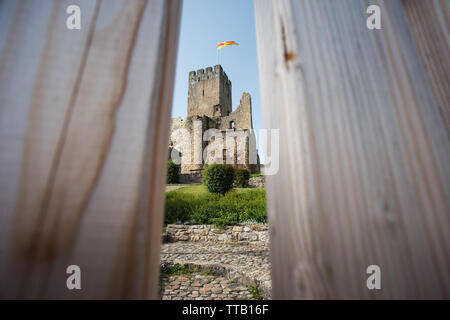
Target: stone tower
[
  {"x": 209, "y": 93},
  {"x": 209, "y": 107}
]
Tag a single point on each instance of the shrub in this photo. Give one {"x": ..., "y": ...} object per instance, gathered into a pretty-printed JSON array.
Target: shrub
[
  {"x": 241, "y": 177},
  {"x": 204, "y": 173},
  {"x": 173, "y": 172},
  {"x": 218, "y": 178},
  {"x": 178, "y": 209}
]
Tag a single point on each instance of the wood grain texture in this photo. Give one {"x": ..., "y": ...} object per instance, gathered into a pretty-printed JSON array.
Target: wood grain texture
[
  {"x": 429, "y": 22},
  {"x": 364, "y": 151},
  {"x": 84, "y": 132}
]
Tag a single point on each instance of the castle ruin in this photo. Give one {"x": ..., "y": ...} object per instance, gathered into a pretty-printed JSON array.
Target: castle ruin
[{"x": 212, "y": 131}]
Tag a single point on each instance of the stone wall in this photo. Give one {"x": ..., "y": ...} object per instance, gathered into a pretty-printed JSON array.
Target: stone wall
[
  {"x": 209, "y": 92},
  {"x": 209, "y": 233},
  {"x": 210, "y": 107},
  {"x": 257, "y": 182},
  {"x": 242, "y": 116},
  {"x": 187, "y": 178}
]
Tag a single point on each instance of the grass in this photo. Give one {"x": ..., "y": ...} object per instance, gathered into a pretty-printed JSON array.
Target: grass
[
  {"x": 175, "y": 270},
  {"x": 253, "y": 175},
  {"x": 193, "y": 190},
  {"x": 181, "y": 269},
  {"x": 200, "y": 189},
  {"x": 256, "y": 292},
  {"x": 195, "y": 205},
  {"x": 206, "y": 272}
]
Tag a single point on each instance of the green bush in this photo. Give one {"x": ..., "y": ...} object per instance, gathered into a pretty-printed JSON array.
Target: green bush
[
  {"x": 173, "y": 172},
  {"x": 241, "y": 177},
  {"x": 236, "y": 206},
  {"x": 218, "y": 178}
]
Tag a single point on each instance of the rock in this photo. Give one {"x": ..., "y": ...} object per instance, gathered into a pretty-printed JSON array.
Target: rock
[
  {"x": 222, "y": 237},
  {"x": 216, "y": 290},
  {"x": 259, "y": 227},
  {"x": 204, "y": 290},
  {"x": 175, "y": 226},
  {"x": 263, "y": 236},
  {"x": 257, "y": 182}
]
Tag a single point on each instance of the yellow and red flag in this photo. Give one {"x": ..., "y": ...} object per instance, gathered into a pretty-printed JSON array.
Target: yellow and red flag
[{"x": 221, "y": 45}]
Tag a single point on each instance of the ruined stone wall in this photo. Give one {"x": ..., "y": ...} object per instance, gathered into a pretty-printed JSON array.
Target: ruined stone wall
[
  {"x": 242, "y": 116},
  {"x": 186, "y": 137},
  {"x": 209, "y": 92},
  {"x": 237, "y": 143}
]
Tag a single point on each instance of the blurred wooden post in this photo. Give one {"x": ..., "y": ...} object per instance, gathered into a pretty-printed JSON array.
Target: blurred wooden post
[
  {"x": 364, "y": 173},
  {"x": 84, "y": 118},
  {"x": 429, "y": 22}
]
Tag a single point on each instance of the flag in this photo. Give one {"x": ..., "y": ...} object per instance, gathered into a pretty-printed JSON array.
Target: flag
[{"x": 220, "y": 45}]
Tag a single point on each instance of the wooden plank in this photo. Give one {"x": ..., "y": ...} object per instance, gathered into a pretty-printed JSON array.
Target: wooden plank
[
  {"x": 90, "y": 111},
  {"x": 364, "y": 172},
  {"x": 429, "y": 22}
]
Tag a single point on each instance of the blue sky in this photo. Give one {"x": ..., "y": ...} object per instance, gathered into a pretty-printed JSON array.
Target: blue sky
[{"x": 203, "y": 24}]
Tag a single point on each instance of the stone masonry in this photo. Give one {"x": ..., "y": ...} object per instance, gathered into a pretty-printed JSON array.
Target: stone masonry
[
  {"x": 212, "y": 132},
  {"x": 208, "y": 233}
]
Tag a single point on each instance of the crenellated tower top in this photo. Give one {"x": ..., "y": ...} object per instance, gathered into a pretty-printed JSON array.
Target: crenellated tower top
[{"x": 209, "y": 92}]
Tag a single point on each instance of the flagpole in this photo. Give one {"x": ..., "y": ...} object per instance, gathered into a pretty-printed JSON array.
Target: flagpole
[{"x": 220, "y": 45}]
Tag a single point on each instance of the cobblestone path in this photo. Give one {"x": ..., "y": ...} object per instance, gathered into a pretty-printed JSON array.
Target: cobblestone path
[{"x": 225, "y": 271}]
